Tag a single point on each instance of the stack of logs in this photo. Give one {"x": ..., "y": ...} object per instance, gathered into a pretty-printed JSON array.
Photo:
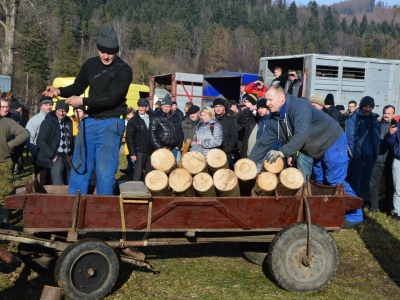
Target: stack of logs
[{"x": 210, "y": 177}]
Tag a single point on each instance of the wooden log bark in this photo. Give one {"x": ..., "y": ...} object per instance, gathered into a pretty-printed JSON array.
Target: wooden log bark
[
  {"x": 290, "y": 181},
  {"x": 180, "y": 181},
  {"x": 226, "y": 183},
  {"x": 265, "y": 184},
  {"x": 194, "y": 162},
  {"x": 275, "y": 167},
  {"x": 246, "y": 171},
  {"x": 163, "y": 160},
  {"x": 203, "y": 185},
  {"x": 157, "y": 183},
  {"x": 185, "y": 149},
  {"x": 216, "y": 159},
  {"x": 51, "y": 293}
]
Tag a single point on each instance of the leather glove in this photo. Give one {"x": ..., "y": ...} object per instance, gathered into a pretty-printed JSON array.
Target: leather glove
[{"x": 273, "y": 155}]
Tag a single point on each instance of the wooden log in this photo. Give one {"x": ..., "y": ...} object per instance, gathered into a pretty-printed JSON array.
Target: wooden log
[
  {"x": 246, "y": 171},
  {"x": 180, "y": 182},
  {"x": 163, "y": 160},
  {"x": 226, "y": 183},
  {"x": 265, "y": 184},
  {"x": 290, "y": 181},
  {"x": 157, "y": 183},
  {"x": 275, "y": 167},
  {"x": 194, "y": 162},
  {"x": 216, "y": 159},
  {"x": 203, "y": 185}
]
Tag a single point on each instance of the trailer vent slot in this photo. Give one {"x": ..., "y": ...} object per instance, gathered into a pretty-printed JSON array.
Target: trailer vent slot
[
  {"x": 353, "y": 73},
  {"x": 327, "y": 71}
]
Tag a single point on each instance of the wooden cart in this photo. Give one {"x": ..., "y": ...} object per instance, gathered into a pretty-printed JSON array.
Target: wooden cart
[{"x": 302, "y": 255}]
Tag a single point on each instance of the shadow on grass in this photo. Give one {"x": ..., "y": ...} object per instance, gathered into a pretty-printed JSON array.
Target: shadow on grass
[{"x": 384, "y": 247}]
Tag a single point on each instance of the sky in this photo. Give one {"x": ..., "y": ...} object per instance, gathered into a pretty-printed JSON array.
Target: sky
[{"x": 329, "y": 2}]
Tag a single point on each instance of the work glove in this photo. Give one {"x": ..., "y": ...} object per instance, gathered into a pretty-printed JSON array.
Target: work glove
[{"x": 273, "y": 155}]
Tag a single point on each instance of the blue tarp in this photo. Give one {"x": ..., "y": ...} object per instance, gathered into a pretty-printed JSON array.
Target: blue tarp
[{"x": 226, "y": 83}]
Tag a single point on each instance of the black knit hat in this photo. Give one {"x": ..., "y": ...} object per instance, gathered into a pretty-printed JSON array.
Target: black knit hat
[
  {"x": 15, "y": 104},
  {"x": 367, "y": 100},
  {"x": 143, "y": 102},
  {"x": 107, "y": 41},
  {"x": 340, "y": 107},
  {"x": 82, "y": 108},
  {"x": 62, "y": 105},
  {"x": 166, "y": 100},
  {"x": 251, "y": 98},
  {"x": 220, "y": 100},
  {"x": 262, "y": 103},
  {"x": 260, "y": 78},
  {"x": 329, "y": 100},
  {"x": 193, "y": 109}
]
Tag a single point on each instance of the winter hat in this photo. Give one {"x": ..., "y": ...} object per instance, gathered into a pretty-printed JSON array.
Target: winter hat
[
  {"x": 232, "y": 102},
  {"x": 340, "y": 107},
  {"x": 166, "y": 100},
  {"x": 174, "y": 102},
  {"x": 251, "y": 98},
  {"x": 143, "y": 102},
  {"x": 260, "y": 78},
  {"x": 262, "y": 103},
  {"x": 316, "y": 98},
  {"x": 220, "y": 100},
  {"x": 45, "y": 100},
  {"x": 62, "y": 105},
  {"x": 367, "y": 100},
  {"x": 107, "y": 41},
  {"x": 329, "y": 100},
  {"x": 82, "y": 108},
  {"x": 15, "y": 104},
  {"x": 193, "y": 109}
]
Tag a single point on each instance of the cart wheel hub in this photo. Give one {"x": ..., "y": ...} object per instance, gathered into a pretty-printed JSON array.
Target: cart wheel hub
[{"x": 90, "y": 272}]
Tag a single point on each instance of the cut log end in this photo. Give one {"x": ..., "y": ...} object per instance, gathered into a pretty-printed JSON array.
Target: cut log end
[
  {"x": 163, "y": 160},
  {"x": 290, "y": 181},
  {"x": 157, "y": 183},
  {"x": 216, "y": 159},
  {"x": 226, "y": 183},
  {"x": 245, "y": 169},
  {"x": 203, "y": 185},
  {"x": 275, "y": 167},
  {"x": 180, "y": 180},
  {"x": 194, "y": 162}
]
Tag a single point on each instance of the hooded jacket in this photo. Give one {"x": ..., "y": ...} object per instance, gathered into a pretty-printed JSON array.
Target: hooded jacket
[
  {"x": 48, "y": 139},
  {"x": 362, "y": 134},
  {"x": 300, "y": 127}
]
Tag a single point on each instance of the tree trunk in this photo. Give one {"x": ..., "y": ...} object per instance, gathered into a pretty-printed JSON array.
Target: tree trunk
[
  {"x": 203, "y": 185},
  {"x": 246, "y": 171},
  {"x": 265, "y": 184},
  {"x": 180, "y": 182},
  {"x": 163, "y": 160},
  {"x": 157, "y": 183},
  {"x": 216, "y": 159},
  {"x": 226, "y": 183},
  {"x": 290, "y": 181},
  {"x": 10, "y": 8},
  {"x": 275, "y": 167},
  {"x": 194, "y": 162}
]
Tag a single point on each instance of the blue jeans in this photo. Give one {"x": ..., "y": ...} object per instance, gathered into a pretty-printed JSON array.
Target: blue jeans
[
  {"x": 177, "y": 154},
  {"x": 305, "y": 165},
  {"x": 101, "y": 141},
  {"x": 359, "y": 176},
  {"x": 331, "y": 169}
]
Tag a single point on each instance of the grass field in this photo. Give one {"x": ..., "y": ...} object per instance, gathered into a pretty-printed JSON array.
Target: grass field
[{"x": 369, "y": 269}]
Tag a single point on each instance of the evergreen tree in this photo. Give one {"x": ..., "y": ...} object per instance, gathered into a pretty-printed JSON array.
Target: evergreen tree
[
  {"x": 354, "y": 28},
  {"x": 330, "y": 24},
  {"x": 67, "y": 58},
  {"x": 344, "y": 26},
  {"x": 368, "y": 51},
  {"x": 363, "y": 25},
  {"x": 325, "y": 46},
  {"x": 136, "y": 38},
  {"x": 313, "y": 6},
  {"x": 292, "y": 14}
]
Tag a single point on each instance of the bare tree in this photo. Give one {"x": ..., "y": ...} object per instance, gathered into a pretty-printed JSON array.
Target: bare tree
[
  {"x": 10, "y": 8},
  {"x": 121, "y": 29}
]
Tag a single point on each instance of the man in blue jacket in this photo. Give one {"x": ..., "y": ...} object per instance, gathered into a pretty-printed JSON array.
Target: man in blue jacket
[
  {"x": 393, "y": 139},
  {"x": 362, "y": 132},
  {"x": 302, "y": 127}
]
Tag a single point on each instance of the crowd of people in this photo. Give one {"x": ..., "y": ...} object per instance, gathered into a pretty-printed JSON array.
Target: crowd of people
[{"x": 326, "y": 142}]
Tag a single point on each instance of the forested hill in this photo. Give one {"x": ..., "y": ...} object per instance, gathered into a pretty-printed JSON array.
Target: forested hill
[{"x": 197, "y": 36}]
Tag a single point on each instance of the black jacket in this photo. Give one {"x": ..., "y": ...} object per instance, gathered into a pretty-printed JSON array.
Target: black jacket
[
  {"x": 179, "y": 113},
  {"x": 229, "y": 129},
  {"x": 248, "y": 121},
  {"x": 166, "y": 131},
  {"x": 138, "y": 136},
  {"x": 336, "y": 115},
  {"x": 48, "y": 139}
]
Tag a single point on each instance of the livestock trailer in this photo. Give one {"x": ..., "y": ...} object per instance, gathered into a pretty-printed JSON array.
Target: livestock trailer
[{"x": 346, "y": 78}]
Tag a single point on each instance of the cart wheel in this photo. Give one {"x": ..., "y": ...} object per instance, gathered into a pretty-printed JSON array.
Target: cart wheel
[
  {"x": 286, "y": 253},
  {"x": 38, "y": 258},
  {"x": 255, "y": 252},
  {"x": 87, "y": 269}
]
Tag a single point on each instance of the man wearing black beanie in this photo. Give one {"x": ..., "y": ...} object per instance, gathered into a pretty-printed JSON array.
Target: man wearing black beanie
[
  {"x": 362, "y": 132},
  {"x": 333, "y": 111},
  {"x": 109, "y": 78}
]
